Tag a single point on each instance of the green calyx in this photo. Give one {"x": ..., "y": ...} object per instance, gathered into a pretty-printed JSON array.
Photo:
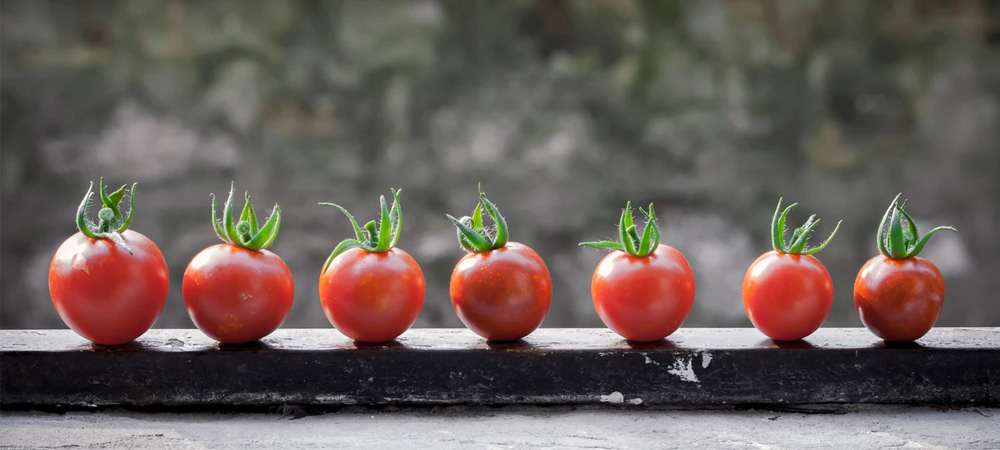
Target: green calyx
[
  {"x": 375, "y": 237},
  {"x": 473, "y": 235},
  {"x": 247, "y": 233},
  {"x": 896, "y": 242},
  {"x": 629, "y": 240},
  {"x": 800, "y": 236},
  {"x": 111, "y": 222}
]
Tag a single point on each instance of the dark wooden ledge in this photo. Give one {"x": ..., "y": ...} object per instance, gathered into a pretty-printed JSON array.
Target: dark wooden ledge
[{"x": 703, "y": 367}]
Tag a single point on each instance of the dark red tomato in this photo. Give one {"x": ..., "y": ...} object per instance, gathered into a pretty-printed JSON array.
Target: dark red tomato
[
  {"x": 105, "y": 294},
  {"x": 502, "y": 294},
  {"x": 899, "y": 300},
  {"x": 644, "y": 298},
  {"x": 787, "y": 296},
  {"x": 372, "y": 296},
  {"x": 236, "y": 295}
]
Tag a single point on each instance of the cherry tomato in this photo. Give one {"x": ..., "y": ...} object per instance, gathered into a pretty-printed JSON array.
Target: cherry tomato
[
  {"x": 371, "y": 291},
  {"x": 787, "y": 292},
  {"x": 644, "y": 298},
  {"x": 105, "y": 294},
  {"x": 899, "y": 295},
  {"x": 108, "y": 283},
  {"x": 372, "y": 297},
  {"x": 239, "y": 292},
  {"x": 236, "y": 295},
  {"x": 502, "y": 294},
  {"x": 899, "y": 299},
  {"x": 787, "y": 297}
]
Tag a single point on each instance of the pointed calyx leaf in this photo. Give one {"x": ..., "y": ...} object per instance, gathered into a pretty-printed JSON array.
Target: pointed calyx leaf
[
  {"x": 375, "y": 236},
  {"x": 473, "y": 235},
  {"x": 247, "y": 232},
  {"x": 800, "y": 236},
  {"x": 111, "y": 223},
  {"x": 896, "y": 242},
  {"x": 629, "y": 240}
]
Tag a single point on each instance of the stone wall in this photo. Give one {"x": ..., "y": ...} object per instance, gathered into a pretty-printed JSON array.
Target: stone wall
[{"x": 562, "y": 109}]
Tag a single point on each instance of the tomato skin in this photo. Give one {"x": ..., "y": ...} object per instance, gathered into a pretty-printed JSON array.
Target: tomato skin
[
  {"x": 643, "y": 299},
  {"x": 899, "y": 300},
  {"x": 786, "y": 296},
  {"x": 235, "y": 295},
  {"x": 372, "y": 297},
  {"x": 502, "y": 294},
  {"x": 105, "y": 294}
]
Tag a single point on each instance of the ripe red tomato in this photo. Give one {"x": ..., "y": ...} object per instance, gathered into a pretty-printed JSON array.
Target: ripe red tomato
[
  {"x": 371, "y": 291},
  {"x": 501, "y": 290},
  {"x": 787, "y": 292},
  {"x": 105, "y": 294},
  {"x": 236, "y": 295},
  {"x": 108, "y": 283},
  {"x": 502, "y": 294},
  {"x": 899, "y": 300},
  {"x": 642, "y": 290},
  {"x": 897, "y": 294},
  {"x": 239, "y": 292},
  {"x": 372, "y": 296},
  {"x": 644, "y": 298},
  {"x": 787, "y": 297}
]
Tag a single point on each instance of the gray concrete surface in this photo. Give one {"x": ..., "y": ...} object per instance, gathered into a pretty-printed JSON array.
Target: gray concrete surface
[{"x": 871, "y": 427}]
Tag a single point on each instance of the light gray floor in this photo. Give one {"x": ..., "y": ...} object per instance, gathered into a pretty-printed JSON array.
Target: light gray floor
[{"x": 511, "y": 427}]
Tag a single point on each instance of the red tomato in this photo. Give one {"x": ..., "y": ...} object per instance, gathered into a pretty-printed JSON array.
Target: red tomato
[
  {"x": 502, "y": 294},
  {"x": 644, "y": 298},
  {"x": 372, "y": 296},
  {"x": 236, "y": 295},
  {"x": 787, "y": 296},
  {"x": 899, "y": 300},
  {"x": 105, "y": 294}
]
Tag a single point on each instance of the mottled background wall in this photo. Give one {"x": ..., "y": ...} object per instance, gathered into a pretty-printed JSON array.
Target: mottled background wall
[{"x": 563, "y": 109}]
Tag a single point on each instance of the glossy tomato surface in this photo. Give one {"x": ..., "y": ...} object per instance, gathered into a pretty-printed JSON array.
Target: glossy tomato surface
[
  {"x": 643, "y": 298},
  {"x": 105, "y": 294},
  {"x": 502, "y": 294},
  {"x": 786, "y": 296},
  {"x": 899, "y": 300},
  {"x": 372, "y": 296},
  {"x": 235, "y": 295}
]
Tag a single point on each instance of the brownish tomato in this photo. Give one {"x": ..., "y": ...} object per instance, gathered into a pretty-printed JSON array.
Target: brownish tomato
[
  {"x": 239, "y": 292},
  {"x": 501, "y": 290},
  {"x": 643, "y": 290},
  {"x": 899, "y": 295},
  {"x": 371, "y": 291},
  {"x": 108, "y": 283},
  {"x": 787, "y": 292}
]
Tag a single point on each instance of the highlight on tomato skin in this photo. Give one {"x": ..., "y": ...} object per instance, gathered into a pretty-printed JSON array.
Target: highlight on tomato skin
[
  {"x": 501, "y": 290},
  {"x": 643, "y": 290},
  {"x": 371, "y": 291},
  {"x": 899, "y": 295},
  {"x": 238, "y": 291},
  {"x": 787, "y": 292},
  {"x": 108, "y": 283}
]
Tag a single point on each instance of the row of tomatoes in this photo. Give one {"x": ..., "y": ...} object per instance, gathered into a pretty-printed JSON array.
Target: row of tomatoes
[{"x": 109, "y": 283}]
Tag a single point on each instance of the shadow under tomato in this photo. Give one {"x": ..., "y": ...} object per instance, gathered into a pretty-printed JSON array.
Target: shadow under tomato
[
  {"x": 897, "y": 345},
  {"x": 244, "y": 347},
  {"x": 134, "y": 346},
  {"x": 771, "y": 343},
  {"x": 387, "y": 345},
  {"x": 662, "y": 344},
  {"x": 519, "y": 344}
]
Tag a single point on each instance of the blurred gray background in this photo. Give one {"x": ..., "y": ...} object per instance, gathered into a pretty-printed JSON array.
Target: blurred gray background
[{"x": 562, "y": 109}]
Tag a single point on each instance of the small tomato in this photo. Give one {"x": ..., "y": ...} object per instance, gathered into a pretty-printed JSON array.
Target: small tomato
[
  {"x": 787, "y": 292},
  {"x": 371, "y": 291},
  {"x": 108, "y": 283},
  {"x": 501, "y": 290},
  {"x": 239, "y": 291},
  {"x": 899, "y": 295}
]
